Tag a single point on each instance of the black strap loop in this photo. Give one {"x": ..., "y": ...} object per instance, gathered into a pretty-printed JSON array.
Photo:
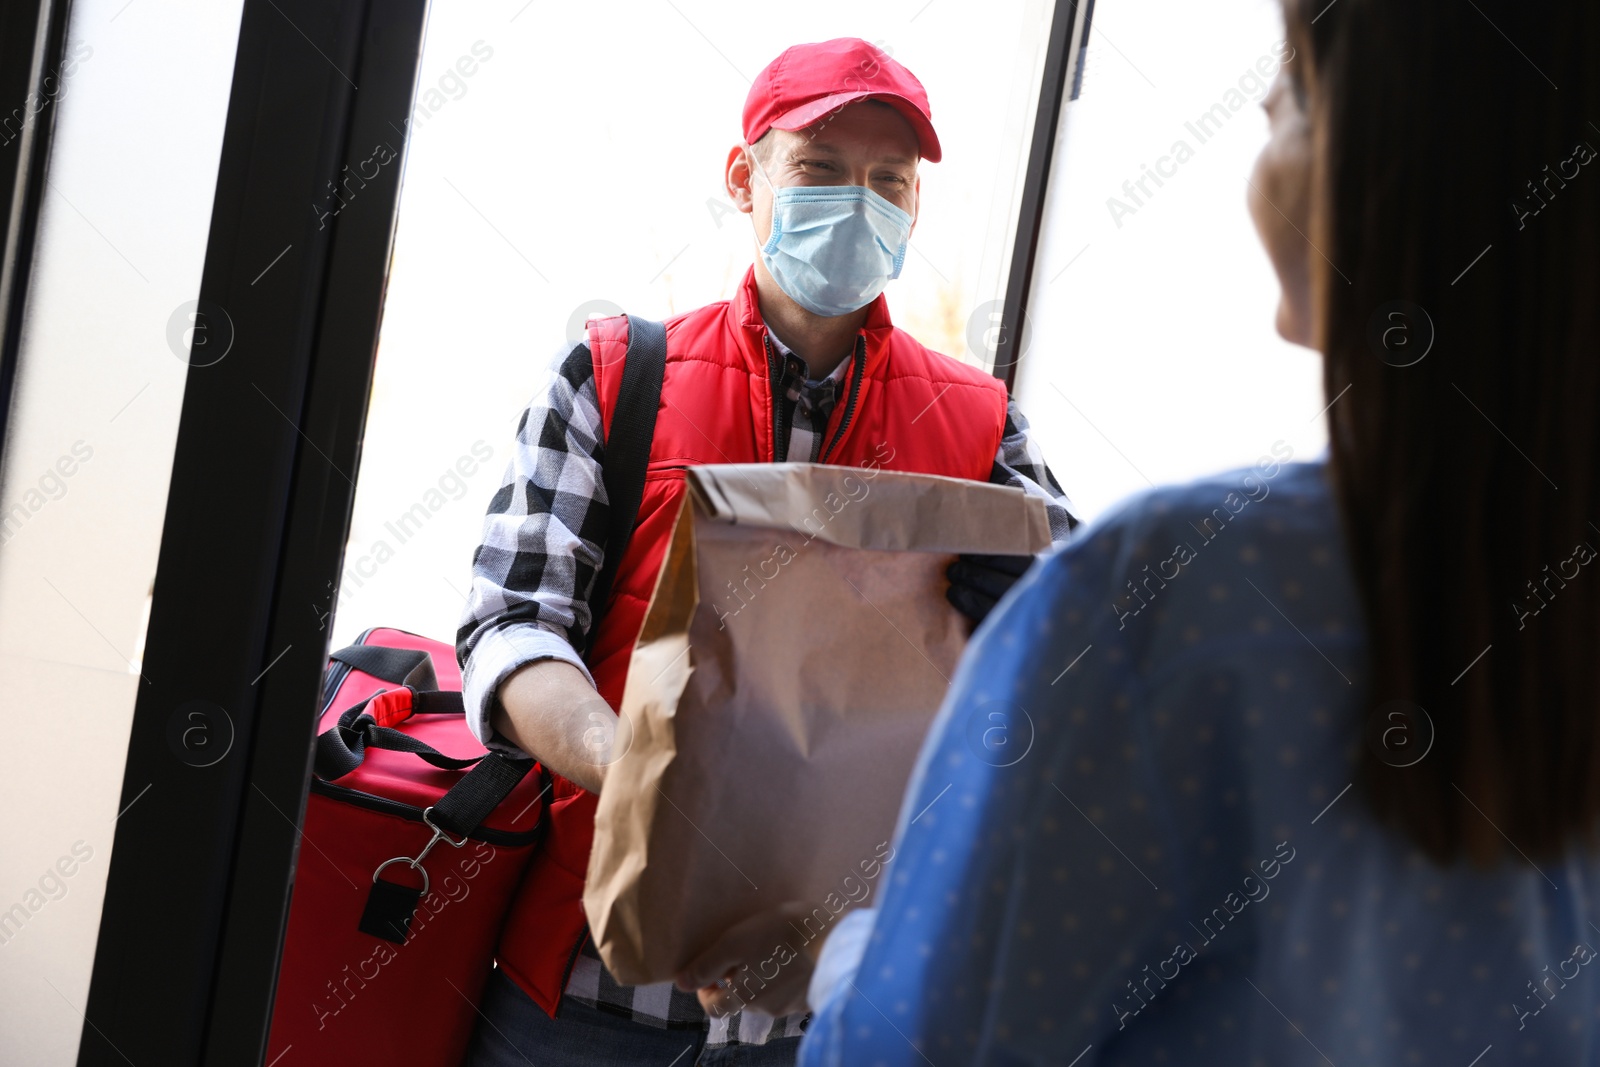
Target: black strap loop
[
  {"x": 342, "y": 748},
  {"x": 400, "y": 666}
]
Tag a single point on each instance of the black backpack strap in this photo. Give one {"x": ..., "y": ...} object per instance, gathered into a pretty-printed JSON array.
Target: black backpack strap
[
  {"x": 401, "y": 666},
  {"x": 627, "y": 451}
]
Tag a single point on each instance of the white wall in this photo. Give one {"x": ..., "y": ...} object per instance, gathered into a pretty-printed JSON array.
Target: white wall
[{"x": 121, "y": 243}]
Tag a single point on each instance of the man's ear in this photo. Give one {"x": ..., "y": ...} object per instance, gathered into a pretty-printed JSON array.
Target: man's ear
[{"x": 737, "y": 179}]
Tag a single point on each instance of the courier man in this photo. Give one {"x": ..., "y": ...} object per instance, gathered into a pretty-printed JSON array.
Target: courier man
[{"x": 803, "y": 364}]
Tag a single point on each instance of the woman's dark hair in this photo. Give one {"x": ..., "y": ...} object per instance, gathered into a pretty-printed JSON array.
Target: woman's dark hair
[{"x": 1457, "y": 301}]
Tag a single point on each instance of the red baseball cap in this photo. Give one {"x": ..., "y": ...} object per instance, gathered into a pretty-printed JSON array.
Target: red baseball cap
[{"x": 808, "y": 81}]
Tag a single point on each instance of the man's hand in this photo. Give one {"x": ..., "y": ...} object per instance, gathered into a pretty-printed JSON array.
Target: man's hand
[
  {"x": 779, "y": 961},
  {"x": 977, "y": 582},
  {"x": 550, "y": 711}
]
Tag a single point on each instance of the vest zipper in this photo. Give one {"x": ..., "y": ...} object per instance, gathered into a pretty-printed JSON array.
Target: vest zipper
[
  {"x": 856, "y": 373},
  {"x": 780, "y": 425}
]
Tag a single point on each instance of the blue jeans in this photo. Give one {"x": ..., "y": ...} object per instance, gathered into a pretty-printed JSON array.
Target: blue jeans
[{"x": 513, "y": 1031}]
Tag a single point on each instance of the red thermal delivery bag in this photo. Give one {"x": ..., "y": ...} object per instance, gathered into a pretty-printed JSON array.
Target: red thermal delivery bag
[{"x": 414, "y": 841}]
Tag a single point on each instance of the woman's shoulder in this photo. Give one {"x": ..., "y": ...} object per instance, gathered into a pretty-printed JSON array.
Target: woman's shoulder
[
  {"x": 1181, "y": 553},
  {"x": 1274, "y": 484},
  {"x": 1276, "y": 496}
]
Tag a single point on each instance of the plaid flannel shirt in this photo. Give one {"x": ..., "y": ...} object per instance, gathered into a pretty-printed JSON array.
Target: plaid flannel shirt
[{"x": 542, "y": 546}]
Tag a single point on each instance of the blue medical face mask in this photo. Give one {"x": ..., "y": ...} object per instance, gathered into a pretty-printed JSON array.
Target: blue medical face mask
[{"x": 833, "y": 247}]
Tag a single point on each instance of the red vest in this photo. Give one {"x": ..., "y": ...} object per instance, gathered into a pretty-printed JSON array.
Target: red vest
[{"x": 914, "y": 410}]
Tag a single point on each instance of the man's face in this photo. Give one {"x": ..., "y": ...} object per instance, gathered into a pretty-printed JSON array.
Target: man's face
[{"x": 865, "y": 143}]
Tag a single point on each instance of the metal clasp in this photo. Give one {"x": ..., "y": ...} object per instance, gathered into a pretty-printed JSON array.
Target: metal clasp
[
  {"x": 438, "y": 835},
  {"x": 416, "y": 863}
]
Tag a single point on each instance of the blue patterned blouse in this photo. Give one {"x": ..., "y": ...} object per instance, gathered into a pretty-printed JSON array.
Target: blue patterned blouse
[{"x": 1132, "y": 836}]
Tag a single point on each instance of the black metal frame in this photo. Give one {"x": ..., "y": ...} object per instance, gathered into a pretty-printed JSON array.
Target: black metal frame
[
  {"x": 32, "y": 44},
  {"x": 1063, "y": 65},
  {"x": 258, "y": 512},
  {"x": 256, "y": 520}
]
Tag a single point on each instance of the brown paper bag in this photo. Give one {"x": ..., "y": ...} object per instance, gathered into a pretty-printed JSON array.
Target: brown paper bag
[{"x": 797, "y": 646}]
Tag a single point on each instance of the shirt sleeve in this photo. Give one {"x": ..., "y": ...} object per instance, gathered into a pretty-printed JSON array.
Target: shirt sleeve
[
  {"x": 542, "y": 545},
  {"x": 840, "y": 960},
  {"x": 1020, "y": 463}
]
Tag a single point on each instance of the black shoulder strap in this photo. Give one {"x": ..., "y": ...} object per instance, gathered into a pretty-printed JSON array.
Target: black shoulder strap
[{"x": 627, "y": 450}]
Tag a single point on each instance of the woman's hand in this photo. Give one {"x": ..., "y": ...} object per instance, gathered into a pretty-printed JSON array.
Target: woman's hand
[{"x": 764, "y": 962}]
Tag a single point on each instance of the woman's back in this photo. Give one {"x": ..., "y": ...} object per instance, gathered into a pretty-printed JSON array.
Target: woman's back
[{"x": 1180, "y": 868}]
